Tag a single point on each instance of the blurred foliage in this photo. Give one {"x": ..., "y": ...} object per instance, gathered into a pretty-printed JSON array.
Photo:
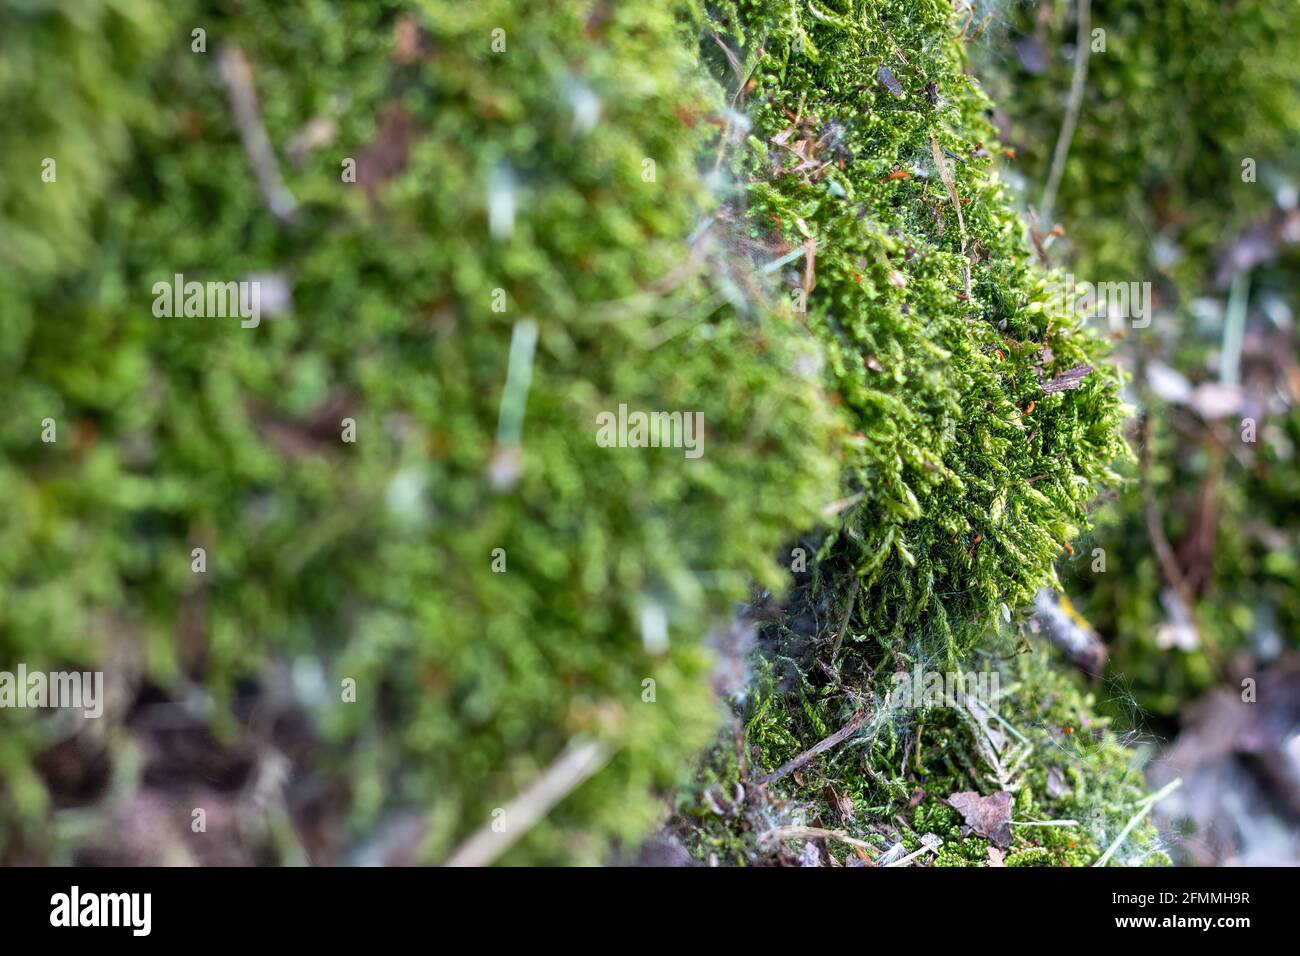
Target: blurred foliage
[
  {"x": 1181, "y": 95},
  {"x": 1227, "y": 509},
  {"x": 376, "y": 558}
]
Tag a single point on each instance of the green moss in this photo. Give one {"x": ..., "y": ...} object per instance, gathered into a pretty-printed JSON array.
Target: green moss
[
  {"x": 939, "y": 331},
  {"x": 965, "y": 478},
  {"x": 1076, "y": 773},
  {"x": 911, "y": 387},
  {"x": 1154, "y": 181},
  {"x": 375, "y": 559},
  {"x": 75, "y": 110}
]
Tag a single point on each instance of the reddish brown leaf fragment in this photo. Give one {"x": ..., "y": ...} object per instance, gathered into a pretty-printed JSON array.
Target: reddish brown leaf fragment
[{"x": 989, "y": 817}]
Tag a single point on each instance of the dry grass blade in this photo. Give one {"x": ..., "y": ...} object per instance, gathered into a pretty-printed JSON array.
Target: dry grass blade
[{"x": 579, "y": 761}]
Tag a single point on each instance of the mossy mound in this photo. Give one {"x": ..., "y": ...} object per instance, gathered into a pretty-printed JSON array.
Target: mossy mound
[
  {"x": 967, "y": 470},
  {"x": 1073, "y": 780},
  {"x": 545, "y": 224}
]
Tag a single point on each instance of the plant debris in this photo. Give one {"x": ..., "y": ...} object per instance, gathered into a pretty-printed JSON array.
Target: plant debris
[
  {"x": 1067, "y": 380},
  {"x": 989, "y": 817},
  {"x": 889, "y": 81}
]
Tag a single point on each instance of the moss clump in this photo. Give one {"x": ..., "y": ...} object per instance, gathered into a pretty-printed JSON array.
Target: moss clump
[
  {"x": 375, "y": 561},
  {"x": 871, "y": 159},
  {"x": 890, "y": 784},
  {"x": 74, "y": 110}
]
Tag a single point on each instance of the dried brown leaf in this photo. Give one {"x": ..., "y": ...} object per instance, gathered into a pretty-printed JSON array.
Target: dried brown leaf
[{"x": 989, "y": 817}]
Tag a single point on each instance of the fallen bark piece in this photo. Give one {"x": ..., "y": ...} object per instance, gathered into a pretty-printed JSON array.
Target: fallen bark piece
[{"x": 1056, "y": 618}]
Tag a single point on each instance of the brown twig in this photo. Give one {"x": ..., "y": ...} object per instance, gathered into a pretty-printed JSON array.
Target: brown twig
[
  {"x": 815, "y": 833},
  {"x": 842, "y": 505},
  {"x": 845, "y": 732},
  {"x": 1155, "y": 528},
  {"x": 844, "y": 621},
  {"x": 951, "y": 186},
  {"x": 1165, "y": 556},
  {"x": 1037, "y": 238}
]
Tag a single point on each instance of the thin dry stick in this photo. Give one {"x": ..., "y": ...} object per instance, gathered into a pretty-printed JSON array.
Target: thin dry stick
[
  {"x": 814, "y": 833},
  {"x": 732, "y": 59},
  {"x": 745, "y": 82},
  {"x": 736, "y": 68},
  {"x": 1044, "y": 823},
  {"x": 579, "y": 761},
  {"x": 1155, "y": 528},
  {"x": 1072, "y": 110},
  {"x": 951, "y": 185},
  {"x": 1234, "y": 326},
  {"x": 519, "y": 376},
  {"x": 848, "y": 730},
  {"x": 912, "y": 856},
  {"x": 843, "y": 504},
  {"x": 844, "y": 621},
  {"x": 237, "y": 75},
  {"x": 1165, "y": 557}
]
